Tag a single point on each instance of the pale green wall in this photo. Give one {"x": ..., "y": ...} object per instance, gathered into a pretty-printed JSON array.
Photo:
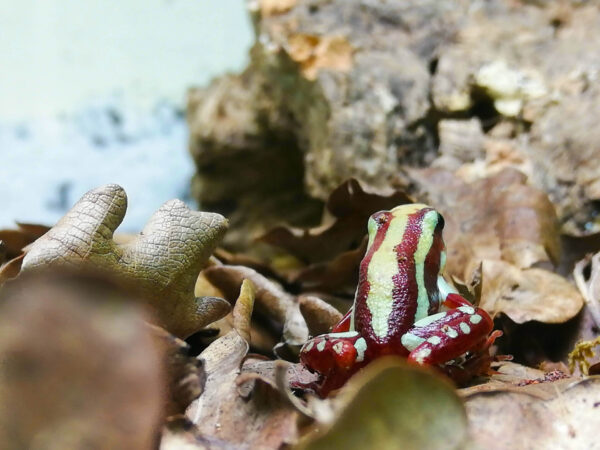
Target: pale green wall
[
  {"x": 83, "y": 85},
  {"x": 58, "y": 53}
]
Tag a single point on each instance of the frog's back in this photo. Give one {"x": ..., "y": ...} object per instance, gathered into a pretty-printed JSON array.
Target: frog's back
[{"x": 398, "y": 275}]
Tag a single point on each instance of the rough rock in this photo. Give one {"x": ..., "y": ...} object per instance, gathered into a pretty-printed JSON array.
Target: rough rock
[{"x": 348, "y": 88}]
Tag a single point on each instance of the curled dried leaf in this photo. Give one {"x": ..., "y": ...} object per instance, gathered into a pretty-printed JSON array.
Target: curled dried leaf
[
  {"x": 511, "y": 228},
  {"x": 531, "y": 294},
  {"x": 512, "y": 377},
  {"x": 185, "y": 374},
  {"x": 499, "y": 217},
  {"x": 242, "y": 311},
  {"x": 16, "y": 240},
  {"x": 11, "y": 269},
  {"x": 320, "y": 316},
  {"x": 340, "y": 275},
  {"x": 163, "y": 261},
  {"x": 263, "y": 418},
  {"x": 270, "y": 298},
  {"x": 350, "y": 205}
]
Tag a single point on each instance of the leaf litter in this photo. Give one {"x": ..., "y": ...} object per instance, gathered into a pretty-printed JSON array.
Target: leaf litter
[{"x": 504, "y": 252}]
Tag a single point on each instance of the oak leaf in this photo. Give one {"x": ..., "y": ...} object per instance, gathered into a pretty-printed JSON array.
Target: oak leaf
[{"x": 163, "y": 261}]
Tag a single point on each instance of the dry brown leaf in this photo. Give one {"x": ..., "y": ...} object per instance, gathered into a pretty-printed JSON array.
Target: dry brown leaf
[
  {"x": 258, "y": 366},
  {"x": 15, "y": 240},
  {"x": 277, "y": 374},
  {"x": 79, "y": 366},
  {"x": 320, "y": 316},
  {"x": 185, "y": 375},
  {"x": 528, "y": 294},
  {"x": 499, "y": 217},
  {"x": 315, "y": 53},
  {"x": 241, "y": 259},
  {"x": 340, "y": 275},
  {"x": 163, "y": 261},
  {"x": 569, "y": 419},
  {"x": 514, "y": 377},
  {"x": 512, "y": 371},
  {"x": 179, "y": 435},
  {"x": 350, "y": 206},
  {"x": 13, "y": 244},
  {"x": 263, "y": 418},
  {"x": 510, "y": 227},
  {"x": 243, "y": 309},
  {"x": 11, "y": 268},
  {"x": 271, "y": 300}
]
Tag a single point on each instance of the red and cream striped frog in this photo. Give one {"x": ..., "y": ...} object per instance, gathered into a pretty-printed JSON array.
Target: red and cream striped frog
[{"x": 403, "y": 305}]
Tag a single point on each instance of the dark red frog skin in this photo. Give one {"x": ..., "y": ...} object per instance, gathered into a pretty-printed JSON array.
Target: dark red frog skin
[{"x": 403, "y": 306}]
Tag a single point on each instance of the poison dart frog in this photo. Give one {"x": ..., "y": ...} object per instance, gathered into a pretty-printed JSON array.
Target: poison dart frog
[{"x": 403, "y": 306}]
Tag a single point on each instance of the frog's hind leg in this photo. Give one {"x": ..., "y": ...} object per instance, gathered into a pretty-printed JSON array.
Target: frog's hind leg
[
  {"x": 335, "y": 356},
  {"x": 441, "y": 337},
  {"x": 333, "y": 351}
]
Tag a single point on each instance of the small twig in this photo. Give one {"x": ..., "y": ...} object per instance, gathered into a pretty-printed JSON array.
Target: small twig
[{"x": 586, "y": 287}]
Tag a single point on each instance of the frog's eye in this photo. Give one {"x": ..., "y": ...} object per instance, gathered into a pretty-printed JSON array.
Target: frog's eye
[
  {"x": 375, "y": 222},
  {"x": 380, "y": 218},
  {"x": 441, "y": 222}
]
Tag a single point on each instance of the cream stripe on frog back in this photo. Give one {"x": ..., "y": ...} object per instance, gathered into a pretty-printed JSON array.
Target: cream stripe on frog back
[
  {"x": 382, "y": 268},
  {"x": 428, "y": 225}
]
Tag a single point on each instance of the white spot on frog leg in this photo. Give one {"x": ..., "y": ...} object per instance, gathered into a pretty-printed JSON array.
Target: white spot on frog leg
[
  {"x": 361, "y": 347},
  {"x": 467, "y": 309},
  {"x": 308, "y": 346},
  {"x": 429, "y": 319},
  {"x": 338, "y": 347},
  {"x": 475, "y": 319},
  {"x": 451, "y": 333},
  {"x": 465, "y": 328},
  {"x": 321, "y": 345},
  {"x": 422, "y": 354},
  {"x": 410, "y": 341},
  {"x": 435, "y": 340},
  {"x": 345, "y": 334}
]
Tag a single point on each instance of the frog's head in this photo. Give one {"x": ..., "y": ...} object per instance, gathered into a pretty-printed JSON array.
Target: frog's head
[{"x": 419, "y": 227}]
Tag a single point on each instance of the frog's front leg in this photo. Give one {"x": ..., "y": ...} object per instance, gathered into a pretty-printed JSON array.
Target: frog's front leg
[
  {"x": 444, "y": 336},
  {"x": 335, "y": 356}
]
